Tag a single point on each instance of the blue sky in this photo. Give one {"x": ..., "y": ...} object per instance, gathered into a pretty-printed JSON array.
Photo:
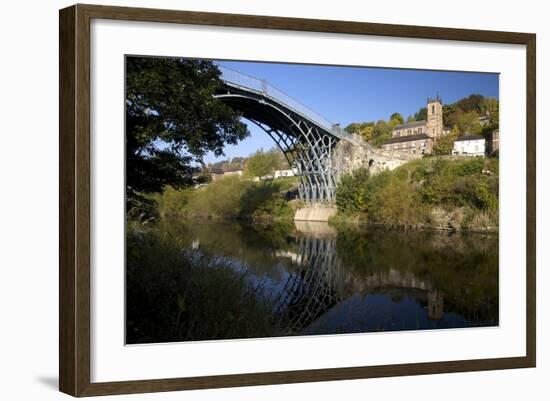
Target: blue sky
[{"x": 355, "y": 94}]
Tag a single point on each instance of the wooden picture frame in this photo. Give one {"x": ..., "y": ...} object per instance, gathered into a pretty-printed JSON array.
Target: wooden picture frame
[{"x": 74, "y": 204}]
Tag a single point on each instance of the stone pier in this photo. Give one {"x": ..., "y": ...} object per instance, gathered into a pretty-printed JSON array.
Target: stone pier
[{"x": 315, "y": 212}]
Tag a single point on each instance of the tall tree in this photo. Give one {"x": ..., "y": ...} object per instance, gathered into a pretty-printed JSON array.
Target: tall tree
[
  {"x": 444, "y": 144},
  {"x": 262, "y": 164},
  {"x": 398, "y": 118},
  {"x": 172, "y": 121},
  {"x": 421, "y": 114},
  {"x": 468, "y": 124},
  {"x": 471, "y": 103}
]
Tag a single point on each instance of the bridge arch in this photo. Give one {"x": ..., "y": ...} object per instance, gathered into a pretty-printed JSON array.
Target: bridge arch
[{"x": 306, "y": 139}]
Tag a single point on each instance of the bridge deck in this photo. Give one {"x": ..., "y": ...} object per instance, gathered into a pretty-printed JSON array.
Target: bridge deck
[{"x": 262, "y": 87}]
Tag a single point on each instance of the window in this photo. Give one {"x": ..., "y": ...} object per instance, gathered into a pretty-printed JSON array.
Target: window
[
  {"x": 419, "y": 130},
  {"x": 433, "y": 109}
]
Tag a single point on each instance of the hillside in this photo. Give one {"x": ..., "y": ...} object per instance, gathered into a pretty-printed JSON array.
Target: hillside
[{"x": 435, "y": 192}]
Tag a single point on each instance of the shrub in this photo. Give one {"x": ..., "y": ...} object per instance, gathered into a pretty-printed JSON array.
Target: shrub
[
  {"x": 230, "y": 198},
  {"x": 406, "y": 195},
  {"x": 396, "y": 203},
  {"x": 221, "y": 199},
  {"x": 172, "y": 202},
  {"x": 350, "y": 193}
]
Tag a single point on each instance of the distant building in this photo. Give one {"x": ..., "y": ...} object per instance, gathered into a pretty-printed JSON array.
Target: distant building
[
  {"x": 285, "y": 173},
  {"x": 238, "y": 173},
  {"x": 417, "y": 137},
  {"x": 414, "y": 144},
  {"x": 470, "y": 145},
  {"x": 216, "y": 173},
  {"x": 432, "y": 127},
  {"x": 484, "y": 119}
]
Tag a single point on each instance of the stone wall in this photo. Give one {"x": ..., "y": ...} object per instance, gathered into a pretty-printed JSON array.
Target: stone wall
[{"x": 351, "y": 155}]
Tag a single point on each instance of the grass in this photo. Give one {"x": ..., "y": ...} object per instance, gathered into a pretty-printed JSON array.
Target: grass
[{"x": 175, "y": 294}]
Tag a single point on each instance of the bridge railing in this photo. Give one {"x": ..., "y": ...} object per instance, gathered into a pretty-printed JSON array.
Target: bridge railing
[{"x": 259, "y": 85}]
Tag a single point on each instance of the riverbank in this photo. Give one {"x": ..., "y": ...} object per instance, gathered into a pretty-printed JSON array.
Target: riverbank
[{"x": 440, "y": 193}]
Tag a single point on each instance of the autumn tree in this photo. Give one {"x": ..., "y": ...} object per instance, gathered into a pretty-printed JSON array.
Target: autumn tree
[{"x": 366, "y": 132}]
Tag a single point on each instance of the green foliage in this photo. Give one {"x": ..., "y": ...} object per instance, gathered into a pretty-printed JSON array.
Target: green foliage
[
  {"x": 172, "y": 119},
  {"x": 175, "y": 295},
  {"x": 172, "y": 202},
  {"x": 461, "y": 183},
  {"x": 406, "y": 195},
  {"x": 396, "y": 203},
  {"x": 375, "y": 132},
  {"x": 451, "y": 115},
  {"x": 350, "y": 193},
  {"x": 468, "y": 124},
  {"x": 444, "y": 144},
  {"x": 472, "y": 103},
  {"x": 262, "y": 164},
  {"x": 366, "y": 132},
  {"x": 221, "y": 199},
  {"x": 231, "y": 198},
  {"x": 421, "y": 114},
  {"x": 398, "y": 118}
]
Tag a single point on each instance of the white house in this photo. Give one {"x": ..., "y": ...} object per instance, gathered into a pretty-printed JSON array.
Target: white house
[
  {"x": 470, "y": 145},
  {"x": 285, "y": 173}
]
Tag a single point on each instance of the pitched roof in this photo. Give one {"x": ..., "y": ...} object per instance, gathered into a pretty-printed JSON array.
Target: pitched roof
[
  {"x": 215, "y": 170},
  {"x": 408, "y": 138},
  {"x": 469, "y": 138},
  {"x": 410, "y": 125}
]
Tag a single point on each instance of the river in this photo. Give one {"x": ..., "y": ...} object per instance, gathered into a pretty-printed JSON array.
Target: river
[{"x": 318, "y": 279}]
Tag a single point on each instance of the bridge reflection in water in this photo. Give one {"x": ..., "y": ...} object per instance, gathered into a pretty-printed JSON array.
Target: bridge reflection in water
[{"x": 323, "y": 280}]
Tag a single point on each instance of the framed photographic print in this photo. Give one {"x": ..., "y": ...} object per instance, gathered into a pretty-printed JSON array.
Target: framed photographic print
[{"x": 251, "y": 200}]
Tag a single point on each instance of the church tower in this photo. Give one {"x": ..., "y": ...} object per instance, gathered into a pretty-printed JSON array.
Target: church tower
[{"x": 434, "y": 125}]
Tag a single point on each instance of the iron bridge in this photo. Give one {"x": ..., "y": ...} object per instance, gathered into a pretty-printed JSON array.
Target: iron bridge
[{"x": 306, "y": 139}]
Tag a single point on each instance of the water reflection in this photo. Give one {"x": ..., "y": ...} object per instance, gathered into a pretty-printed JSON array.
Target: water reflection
[{"x": 323, "y": 280}]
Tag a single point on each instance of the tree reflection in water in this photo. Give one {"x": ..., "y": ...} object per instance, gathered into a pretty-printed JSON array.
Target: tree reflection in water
[{"x": 324, "y": 280}]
